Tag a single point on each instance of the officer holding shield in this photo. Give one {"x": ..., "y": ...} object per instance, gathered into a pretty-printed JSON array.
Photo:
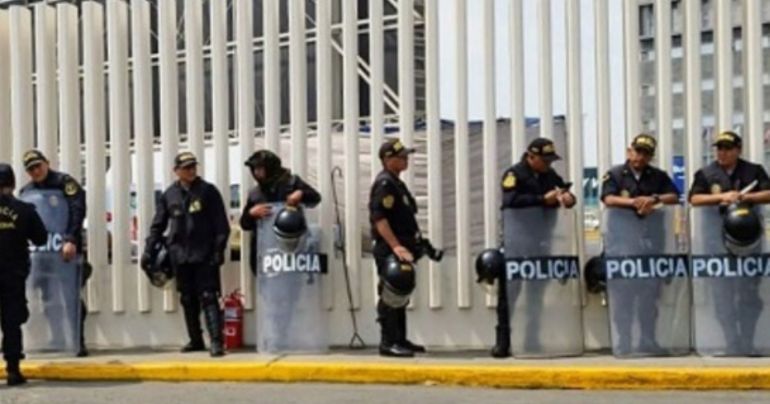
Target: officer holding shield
[
  {"x": 531, "y": 182},
  {"x": 274, "y": 184},
  {"x": 638, "y": 186},
  {"x": 193, "y": 212},
  {"x": 738, "y": 303},
  {"x": 19, "y": 225},
  {"x": 44, "y": 179}
]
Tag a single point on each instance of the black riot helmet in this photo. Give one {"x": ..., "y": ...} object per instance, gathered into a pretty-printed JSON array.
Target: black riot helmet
[
  {"x": 742, "y": 229},
  {"x": 156, "y": 264},
  {"x": 595, "y": 275},
  {"x": 7, "y": 177},
  {"x": 490, "y": 264},
  {"x": 397, "y": 282},
  {"x": 289, "y": 227}
]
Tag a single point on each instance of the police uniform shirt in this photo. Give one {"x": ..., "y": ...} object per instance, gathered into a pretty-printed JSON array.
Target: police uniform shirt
[
  {"x": 19, "y": 222},
  {"x": 713, "y": 179},
  {"x": 622, "y": 181},
  {"x": 523, "y": 187},
  {"x": 75, "y": 197},
  {"x": 390, "y": 199},
  {"x": 277, "y": 193}
]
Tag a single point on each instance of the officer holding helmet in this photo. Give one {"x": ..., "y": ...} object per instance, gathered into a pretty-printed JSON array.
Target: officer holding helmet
[
  {"x": 738, "y": 303},
  {"x": 19, "y": 225},
  {"x": 274, "y": 184},
  {"x": 193, "y": 212}
]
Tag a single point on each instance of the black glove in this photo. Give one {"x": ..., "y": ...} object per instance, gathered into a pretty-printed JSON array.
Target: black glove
[{"x": 218, "y": 259}]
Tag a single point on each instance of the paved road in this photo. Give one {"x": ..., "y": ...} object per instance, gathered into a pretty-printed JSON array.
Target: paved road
[{"x": 200, "y": 393}]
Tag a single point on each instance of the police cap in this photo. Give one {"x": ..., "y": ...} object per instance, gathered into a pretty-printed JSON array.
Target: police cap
[
  {"x": 185, "y": 159},
  {"x": 32, "y": 158},
  {"x": 728, "y": 139},
  {"x": 544, "y": 148},
  {"x": 393, "y": 148},
  {"x": 644, "y": 142}
]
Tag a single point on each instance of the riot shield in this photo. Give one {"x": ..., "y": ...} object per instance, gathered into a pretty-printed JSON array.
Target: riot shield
[
  {"x": 290, "y": 314},
  {"x": 542, "y": 273},
  {"x": 728, "y": 291},
  {"x": 647, "y": 284},
  {"x": 53, "y": 287}
]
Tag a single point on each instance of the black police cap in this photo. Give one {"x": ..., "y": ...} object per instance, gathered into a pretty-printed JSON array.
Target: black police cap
[
  {"x": 728, "y": 139},
  {"x": 394, "y": 147},
  {"x": 644, "y": 142},
  {"x": 185, "y": 159},
  {"x": 544, "y": 148},
  {"x": 32, "y": 158}
]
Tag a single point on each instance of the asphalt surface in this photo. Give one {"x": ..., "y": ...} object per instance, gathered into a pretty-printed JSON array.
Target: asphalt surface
[{"x": 195, "y": 393}]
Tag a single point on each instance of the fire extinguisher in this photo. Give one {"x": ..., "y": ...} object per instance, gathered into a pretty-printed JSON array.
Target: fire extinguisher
[{"x": 234, "y": 320}]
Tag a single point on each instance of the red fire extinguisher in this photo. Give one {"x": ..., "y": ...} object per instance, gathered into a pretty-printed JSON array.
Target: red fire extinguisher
[{"x": 234, "y": 320}]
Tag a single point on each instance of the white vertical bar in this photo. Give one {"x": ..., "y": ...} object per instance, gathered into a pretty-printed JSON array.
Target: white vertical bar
[
  {"x": 631, "y": 68},
  {"x": 377, "y": 80},
  {"x": 69, "y": 88},
  {"x": 545, "y": 68},
  {"x": 323, "y": 52},
  {"x": 143, "y": 134},
  {"x": 246, "y": 103},
  {"x": 433, "y": 94},
  {"x": 45, "y": 71},
  {"x": 602, "y": 57},
  {"x": 723, "y": 52},
  {"x": 169, "y": 104},
  {"x": 117, "y": 50},
  {"x": 220, "y": 101},
  {"x": 350, "y": 121},
  {"x": 663, "y": 94},
  {"x": 193, "y": 40},
  {"x": 21, "y": 83},
  {"x": 491, "y": 198},
  {"x": 462, "y": 165},
  {"x": 575, "y": 117},
  {"x": 6, "y": 136},
  {"x": 692, "y": 74},
  {"x": 271, "y": 14},
  {"x": 406, "y": 78},
  {"x": 94, "y": 127},
  {"x": 516, "y": 39},
  {"x": 298, "y": 86},
  {"x": 754, "y": 132}
]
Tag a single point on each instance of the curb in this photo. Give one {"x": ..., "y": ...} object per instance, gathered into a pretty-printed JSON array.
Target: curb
[{"x": 513, "y": 377}]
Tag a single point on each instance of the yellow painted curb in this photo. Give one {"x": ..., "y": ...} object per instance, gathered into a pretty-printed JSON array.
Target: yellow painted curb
[{"x": 524, "y": 377}]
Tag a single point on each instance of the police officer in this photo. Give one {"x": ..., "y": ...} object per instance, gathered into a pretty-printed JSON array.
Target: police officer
[
  {"x": 274, "y": 184},
  {"x": 392, "y": 213},
  {"x": 639, "y": 186},
  {"x": 738, "y": 306},
  {"x": 43, "y": 177},
  {"x": 194, "y": 213},
  {"x": 529, "y": 183},
  {"x": 19, "y": 225}
]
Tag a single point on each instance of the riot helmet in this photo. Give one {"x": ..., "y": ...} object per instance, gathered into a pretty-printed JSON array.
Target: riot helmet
[
  {"x": 595, "y": 275},
  {"x": 742, "y": 229},
  {"x": 289, "y": 227},
  {"x": 157, "y": 265},
  {"x": 397, "y": 282},
  {"x": 490, "y": 265}
]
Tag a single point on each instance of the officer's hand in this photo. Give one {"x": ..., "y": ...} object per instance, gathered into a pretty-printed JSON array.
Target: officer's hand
[
  {"x": 260, "y": 211},
  {"x": 730, "y": 197},
  {"x": 403, "y": 254},
  {"x": 646, "y": 205},
  {"x": 552, "y": 197},
  {"x": 295, "y": 198},
  {"x": 69, "y": 251},
  {"x": 567, "y": 199}
]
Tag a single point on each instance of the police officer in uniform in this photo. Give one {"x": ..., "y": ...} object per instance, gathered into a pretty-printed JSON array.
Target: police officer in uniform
[
  {"x": 530, "y": 182},
  {"x": 43, "y": 177},
  {"x": 274, "y": 184},
  {"x": 19, "y": 225},
  {"x": 194, "y": 213},
  {"x": 719, "y": 183},
  {"x": 392, "y": 213},
  {"x": 638, "y": 186}
]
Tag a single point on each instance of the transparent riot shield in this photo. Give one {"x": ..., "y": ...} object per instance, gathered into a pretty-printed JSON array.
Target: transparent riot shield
[
  {"x": 647, "y": 284},
  {"x": 53, "y": 287},
  {"x": 290, "y": 313},
  {"x": 542, "y": 273},
  {"x": 728, "y": 291}
]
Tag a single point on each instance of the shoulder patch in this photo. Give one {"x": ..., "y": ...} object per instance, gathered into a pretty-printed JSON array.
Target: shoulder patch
[
  {"x": 70, "y": 188},
  {"x": 509, "y": 182},
  {"x": 387, "y": 201}
]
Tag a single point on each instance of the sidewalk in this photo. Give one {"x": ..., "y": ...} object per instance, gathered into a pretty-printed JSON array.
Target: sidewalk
[{"x": 438, "y": 368}]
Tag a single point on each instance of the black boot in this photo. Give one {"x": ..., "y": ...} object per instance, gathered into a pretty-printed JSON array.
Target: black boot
[
  {"x": 502, "y": 348},
  {"x": 214, "y": 325},
  {"x": 82, "y": 351},
  {"x": 403, "y": 341},
  {"x": 192, "y": 320},
  {"x": 13, "y": 376},
  {"x": 389, "y": 333}
]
